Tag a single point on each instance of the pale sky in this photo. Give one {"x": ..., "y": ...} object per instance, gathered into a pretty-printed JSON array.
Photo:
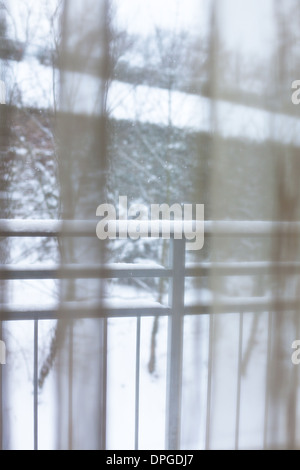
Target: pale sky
[{"x": 246, "y": 25}]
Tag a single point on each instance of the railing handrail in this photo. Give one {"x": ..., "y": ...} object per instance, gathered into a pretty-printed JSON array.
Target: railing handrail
[
  {"x": 12, "y": 272},
  {"x": 86, "y": 228}
]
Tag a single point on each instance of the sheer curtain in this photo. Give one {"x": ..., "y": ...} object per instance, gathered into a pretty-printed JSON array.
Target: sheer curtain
[
  {"x": 80, "y": 132},
  {"x": 245, "y": 386},
  {"x": 252, "y": 382},
  {"x": 5, "y": 121},
  {"x": 164, "y": 102}
]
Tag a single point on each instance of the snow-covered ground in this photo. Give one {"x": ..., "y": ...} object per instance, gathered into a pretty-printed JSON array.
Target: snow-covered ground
[
  {"x": 121, "y": 380},
  {"x": 152, "y": 105}
]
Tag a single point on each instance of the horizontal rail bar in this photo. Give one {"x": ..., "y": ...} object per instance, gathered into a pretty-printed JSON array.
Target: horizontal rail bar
[
  {"x": 250, "y": 228},
  {"x": 46, "y": 228},
  {"x": 240, "y": 268},
  {"x": 87, "y": 311},
  {"x": 130, "y": 271},
  {"x": 113, "y": 271},
  {"x": 245, "y": 305},
  {"x": 78, "y": 311},
  {"x": 87, "y": 228}
]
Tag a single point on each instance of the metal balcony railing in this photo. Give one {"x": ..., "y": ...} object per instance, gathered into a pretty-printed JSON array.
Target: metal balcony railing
[{"x": 177, "y": 271}]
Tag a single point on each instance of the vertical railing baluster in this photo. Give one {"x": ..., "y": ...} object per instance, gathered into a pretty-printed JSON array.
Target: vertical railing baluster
[
  {"x": 70, "y": 387},
  {"x": 1, "y": 397},
  {"x": 267, "y": 391},
  {"x": 35, "y": 382},
  {"x": 137, "y": 382},
  {"x": 209, "y": 381},
  {"x": 103, "y": 373},
  {"x": 175, "y": 344},
  {"x": 239, "y": 381}
]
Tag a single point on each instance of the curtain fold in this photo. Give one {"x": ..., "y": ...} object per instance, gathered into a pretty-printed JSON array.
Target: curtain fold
[
  {"x": 81, "y": 140},
  {"x": 256, "y": 180},
  {"x": 5, "y": 121}
]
